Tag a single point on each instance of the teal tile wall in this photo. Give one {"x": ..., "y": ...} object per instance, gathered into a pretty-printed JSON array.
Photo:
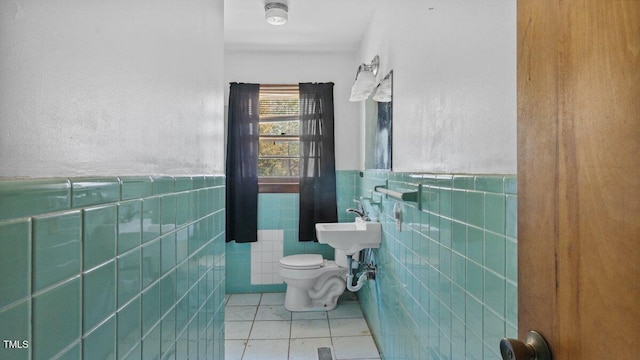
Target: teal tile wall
[
  {"x": 346, "y": 193},
  {"x": 447, "y": 282},
  {"x": 105, "y": 268},
  {"x": 280, "y": 211},
  {"x": 56, "y": 248}
]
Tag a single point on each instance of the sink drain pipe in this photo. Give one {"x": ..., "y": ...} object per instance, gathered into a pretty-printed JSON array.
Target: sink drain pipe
[{"x": 368, "y": 273}]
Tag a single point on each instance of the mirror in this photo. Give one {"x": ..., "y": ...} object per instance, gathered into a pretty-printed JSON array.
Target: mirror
[{"x": 378, "y": 121}]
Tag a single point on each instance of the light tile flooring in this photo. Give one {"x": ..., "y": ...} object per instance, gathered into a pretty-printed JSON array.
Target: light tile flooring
[{"x": 257, "y": 326}]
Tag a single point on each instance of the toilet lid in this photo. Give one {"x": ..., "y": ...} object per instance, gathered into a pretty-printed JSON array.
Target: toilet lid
[{"x": 302, "y": 261}]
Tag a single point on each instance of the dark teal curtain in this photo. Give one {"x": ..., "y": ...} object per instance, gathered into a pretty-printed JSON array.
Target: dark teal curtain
[
  {"x": 317, "y": 159},
  {"x": 242, "y": 163}
]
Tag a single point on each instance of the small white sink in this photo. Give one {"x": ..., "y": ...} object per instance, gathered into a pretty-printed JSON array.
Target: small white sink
[{"x": 350, "y": 237}]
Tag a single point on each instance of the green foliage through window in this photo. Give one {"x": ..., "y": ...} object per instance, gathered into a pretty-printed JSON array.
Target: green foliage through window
[{"x": 279, "y": 146}]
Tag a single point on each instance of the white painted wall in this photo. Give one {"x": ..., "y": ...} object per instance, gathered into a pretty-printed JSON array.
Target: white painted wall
[
  {"x": 294, "y": 67},
  {"x": 454, "y": 66},
  {"x": 112, "y": 87}
]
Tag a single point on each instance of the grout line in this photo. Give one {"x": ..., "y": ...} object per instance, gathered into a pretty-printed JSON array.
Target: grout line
[{"x": 289, "y": 342}]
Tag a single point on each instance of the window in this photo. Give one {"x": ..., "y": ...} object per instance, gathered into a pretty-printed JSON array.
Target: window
[{"x": 279, "y": 139}]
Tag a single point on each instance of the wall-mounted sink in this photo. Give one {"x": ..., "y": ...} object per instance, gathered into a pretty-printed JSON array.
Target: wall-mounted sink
[{"x": 352, "y": 237}]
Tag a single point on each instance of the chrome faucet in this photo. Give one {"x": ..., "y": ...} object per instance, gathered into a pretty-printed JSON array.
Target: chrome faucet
[{"x": 360, "y": 211}]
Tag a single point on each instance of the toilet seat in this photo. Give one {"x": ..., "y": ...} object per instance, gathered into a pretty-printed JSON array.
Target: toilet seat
[{"x": 302, "y": 262}]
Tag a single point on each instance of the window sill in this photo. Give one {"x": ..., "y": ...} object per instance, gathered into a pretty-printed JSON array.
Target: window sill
[{"x": 278, "y": 187}]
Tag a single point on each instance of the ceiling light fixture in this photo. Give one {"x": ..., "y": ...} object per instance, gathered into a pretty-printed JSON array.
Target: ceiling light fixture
[
  {"x": 276, "y": 13},
  {"x": 365, "y": 80}
]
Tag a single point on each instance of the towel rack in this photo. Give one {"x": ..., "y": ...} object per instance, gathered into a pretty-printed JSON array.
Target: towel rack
[
  {"x": 408, "y": 195},
  {"x": 370, "y": 200}
]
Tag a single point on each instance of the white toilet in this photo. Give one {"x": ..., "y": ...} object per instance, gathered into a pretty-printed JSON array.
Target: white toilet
[{"x": 313, "y": 283}]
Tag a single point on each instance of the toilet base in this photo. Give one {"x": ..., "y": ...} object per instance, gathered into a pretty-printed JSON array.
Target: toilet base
[{"x": 299, "y": 299}]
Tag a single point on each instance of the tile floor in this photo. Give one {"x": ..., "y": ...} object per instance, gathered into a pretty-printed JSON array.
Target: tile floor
[{"x": 257, "y": 326}]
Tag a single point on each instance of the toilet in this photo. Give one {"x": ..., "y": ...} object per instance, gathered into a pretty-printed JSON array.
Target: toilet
[{"x": 313, "y": 283}]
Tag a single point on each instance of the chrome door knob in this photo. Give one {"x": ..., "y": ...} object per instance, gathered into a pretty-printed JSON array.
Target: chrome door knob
[{"x": 534, "y": 347}]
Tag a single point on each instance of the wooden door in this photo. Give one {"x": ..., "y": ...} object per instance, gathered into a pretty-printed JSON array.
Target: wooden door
[{"x": 579, "y": 176}]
